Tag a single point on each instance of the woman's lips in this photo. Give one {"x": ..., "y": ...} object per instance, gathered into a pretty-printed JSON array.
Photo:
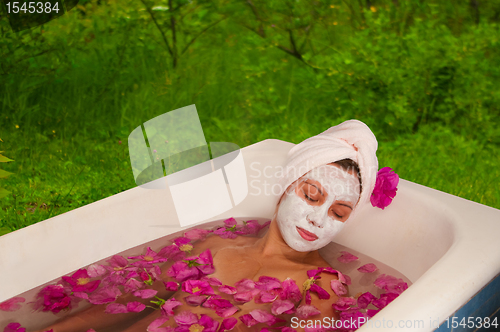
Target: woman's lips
[{"x": 308, "y": 236}]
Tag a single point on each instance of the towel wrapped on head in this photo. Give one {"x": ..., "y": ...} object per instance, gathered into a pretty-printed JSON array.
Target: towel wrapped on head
[{"x": 351, "y": 139}]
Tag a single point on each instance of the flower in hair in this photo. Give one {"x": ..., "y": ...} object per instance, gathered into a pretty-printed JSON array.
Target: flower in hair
[{"x": 385, "y": 188}]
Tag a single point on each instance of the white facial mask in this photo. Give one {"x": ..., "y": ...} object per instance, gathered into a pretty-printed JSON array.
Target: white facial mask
[{"x": 307, "y": 227}]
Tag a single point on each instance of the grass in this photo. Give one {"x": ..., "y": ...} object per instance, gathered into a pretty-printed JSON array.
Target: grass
[{"x": 64, "y": 128}]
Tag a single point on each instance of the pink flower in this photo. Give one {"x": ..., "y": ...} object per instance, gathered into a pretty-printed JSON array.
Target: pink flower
[
  {"x": 12, "y": 304},
  {"x": 228, "y": 230},
  {"x": 181, "y": 271},
  {"x": 385, "y": 188},
  {"x": 80, "y": 280},
  {"x": 197, "y": 287},
  {"x": 172, "y": 252},
  {"x": 117, "y": 264},
  {"x": 306, "y": 310},
  {"x": 338, "y": 288},
  {"x": 135, "y": 306},
  {"x": 14, "y": 327},
  {"x": 148, "y": 259},
  {"x": 391, "y": 284},
  {"x": 251, "y": 227},
  {"x": 53, "y": 298},
  {"x": 347, "y": 257},
  {"x": 192, "y": 267},
  {"x": 368, "y": 268}
]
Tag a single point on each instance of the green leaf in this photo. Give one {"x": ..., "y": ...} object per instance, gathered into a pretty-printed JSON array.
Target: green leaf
[
  {"x": 3, "y": 192},
  {"x": 4, "y": 174},
  {"x": 4, "y": 159}
]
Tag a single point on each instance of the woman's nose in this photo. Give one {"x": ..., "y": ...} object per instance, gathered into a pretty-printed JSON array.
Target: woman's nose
[{"x": 316, "y": 218}]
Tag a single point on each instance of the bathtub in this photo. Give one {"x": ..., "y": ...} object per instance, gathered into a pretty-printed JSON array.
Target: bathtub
[{"x": 448, "y": 247}]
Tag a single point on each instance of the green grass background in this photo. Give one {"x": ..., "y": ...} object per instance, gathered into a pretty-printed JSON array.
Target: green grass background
[{"x": 424, "y": 75}]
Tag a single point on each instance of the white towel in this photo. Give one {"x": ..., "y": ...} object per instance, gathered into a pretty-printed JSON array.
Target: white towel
[{"x": 351, "y": 139}]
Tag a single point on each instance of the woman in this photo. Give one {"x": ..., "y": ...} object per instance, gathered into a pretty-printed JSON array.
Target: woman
[{"x": 327, "y": 178}]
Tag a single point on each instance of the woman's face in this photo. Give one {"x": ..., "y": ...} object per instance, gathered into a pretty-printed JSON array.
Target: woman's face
[{"x": 315, "y": 207}]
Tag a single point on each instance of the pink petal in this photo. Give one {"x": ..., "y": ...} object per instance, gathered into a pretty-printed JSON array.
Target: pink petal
[
  {"x": 347, "y": 257},
  {"x": 14, "y": 327},
  {"x": 145, "y": 293},
  {"x": 281, "y": 306},
  {"x": 365, "y": 299},
  {"x": 90, "y": 330},
  {"x": 12, "y": 304},
  {"x": 353, "y": 318},
  {"x": 171, "y": 285},
  {"x": 135, "y": 306},
  {"x": 384, "y": 300},
  {"x": 248, "y": 320},
  {"x": 370, "y": 312},
  {"x": 197, "y": 234},
  {"x": 209, "y": 324},
  {"x": 226, "y": 312},
  {"x": 212, "y": 281},
  {"x": 186, "y": 318},
  {"x": 267, "y": 283},
  {"x": 104, "y": 295},
  {"x": 306, "y": 310},
  {"x": 338, "y": 288},
  {"x": 169, "y": 306},
  {"x": 230, "y": 222},
  {"x": 368, "y": 268},
  {"x": 115, "y": 308},
  {"x": 155, "y": 325},
  {"x": 322, "y": 294},
  {"x": 265, "y": 297},
  {"x": 96, "y": 270},
  {"x": 227, "y": 290},
  {"x": 195, "y": 300},
  {"x": 181, "y": 240},
  {"x": 290, "y": 291},
  {"x": 391, "y": 284},
  {"x": 228, "y": 324},
  {"x": 344, "y": 303}
]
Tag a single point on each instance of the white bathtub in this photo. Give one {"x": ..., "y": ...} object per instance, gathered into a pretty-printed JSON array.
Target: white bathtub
[{"x": 447, "y": 246}]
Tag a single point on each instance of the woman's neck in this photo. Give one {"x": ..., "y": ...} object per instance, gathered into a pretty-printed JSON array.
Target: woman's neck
[{"x": 273, "y": 244}]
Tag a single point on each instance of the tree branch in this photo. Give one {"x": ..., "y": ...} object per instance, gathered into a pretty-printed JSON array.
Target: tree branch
[
  {"x": 158, "y": 27},
  {"x": 202, "y": 32}
]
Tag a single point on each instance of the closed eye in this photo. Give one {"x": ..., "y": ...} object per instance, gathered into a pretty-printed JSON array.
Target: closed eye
[{"x": 308, "y": 198}]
